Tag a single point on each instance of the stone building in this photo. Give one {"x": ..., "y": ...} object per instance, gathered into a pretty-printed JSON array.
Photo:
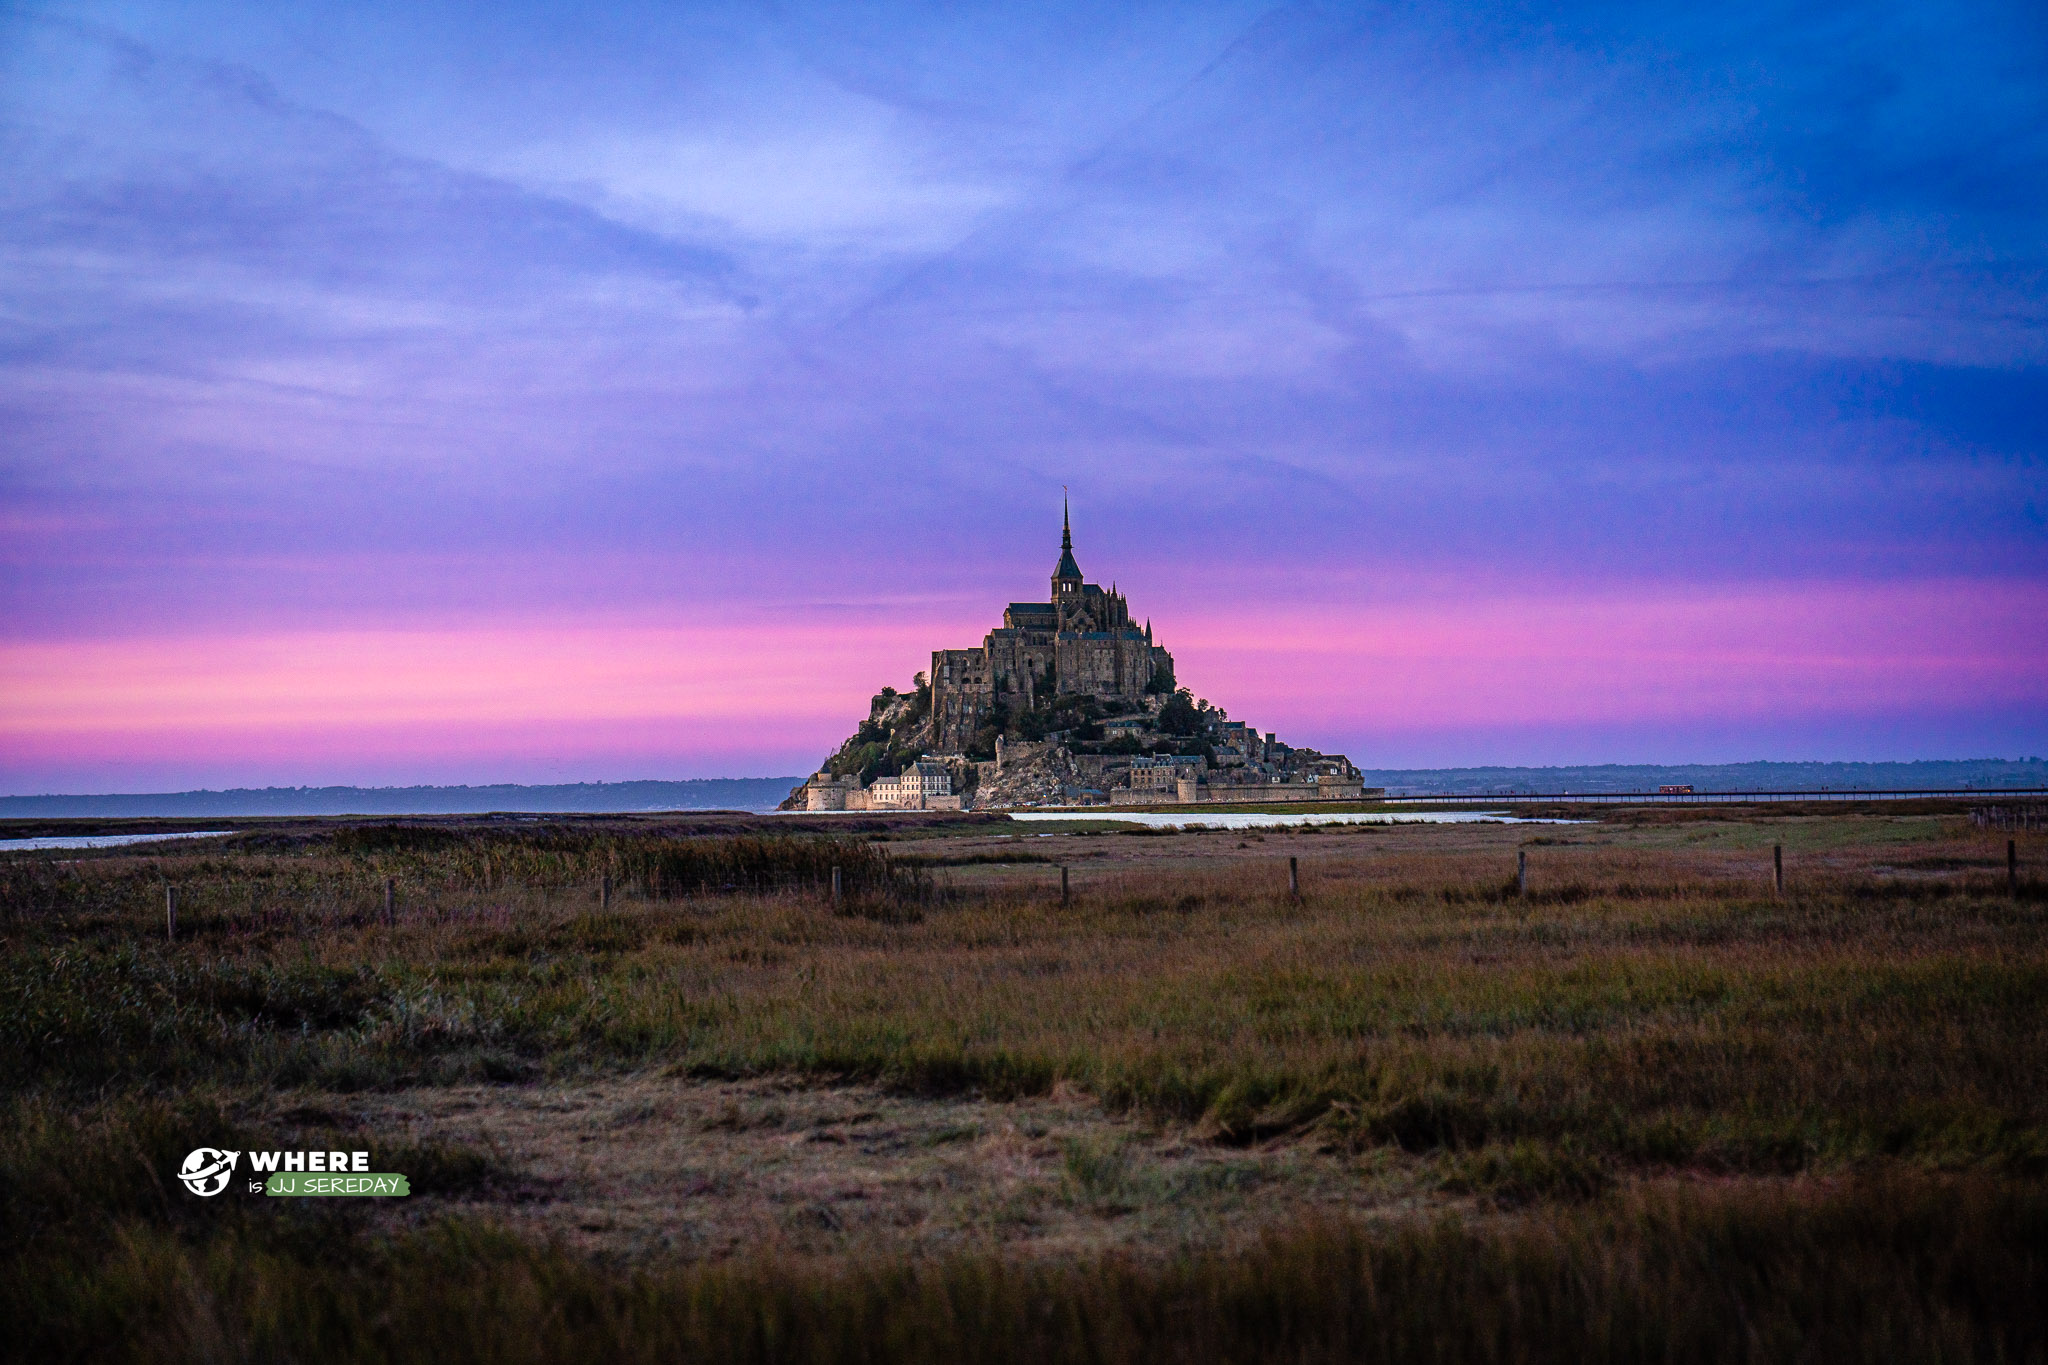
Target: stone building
[
  {"x": 924, "y": 785},
  {"x": 826, "y": 792},
  {"x": 1162, "y": 774},
  {"x": 1081, "y": 641}
]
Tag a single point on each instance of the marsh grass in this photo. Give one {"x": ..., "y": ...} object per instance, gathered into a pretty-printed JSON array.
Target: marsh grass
[
  {"x": 1649, "y": 1005},
  {"x": 1878, "y": 1271},
  {"x": 1649, "y": 1008}
]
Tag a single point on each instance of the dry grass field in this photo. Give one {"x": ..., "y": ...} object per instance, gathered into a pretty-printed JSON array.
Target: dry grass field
[{"x": 1648, "y": 1108}]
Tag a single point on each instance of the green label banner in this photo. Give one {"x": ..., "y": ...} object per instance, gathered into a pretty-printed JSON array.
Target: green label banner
[{"x": 299, "y": 1184}]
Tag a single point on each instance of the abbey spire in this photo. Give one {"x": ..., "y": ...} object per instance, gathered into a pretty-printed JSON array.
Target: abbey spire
[{"x": 1067, "y": 569}]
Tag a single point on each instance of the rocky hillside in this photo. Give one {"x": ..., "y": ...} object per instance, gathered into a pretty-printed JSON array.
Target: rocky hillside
[
  {"x": 1033, "y": 775},
  {"x": 897, "y": 731}
]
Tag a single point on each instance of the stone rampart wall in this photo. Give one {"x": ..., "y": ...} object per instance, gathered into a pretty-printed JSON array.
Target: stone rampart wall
[{"x": 1252, "y": 793}]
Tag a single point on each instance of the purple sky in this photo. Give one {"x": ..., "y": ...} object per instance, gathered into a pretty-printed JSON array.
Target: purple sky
[{"x": 419, "y": 392}]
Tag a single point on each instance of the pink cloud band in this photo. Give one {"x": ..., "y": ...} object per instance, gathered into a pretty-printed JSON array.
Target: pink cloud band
[{"x": 639, "y": 698}]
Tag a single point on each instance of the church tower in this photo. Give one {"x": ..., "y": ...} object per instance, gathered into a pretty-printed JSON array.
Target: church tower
[{"x": 1066, "y": 577}]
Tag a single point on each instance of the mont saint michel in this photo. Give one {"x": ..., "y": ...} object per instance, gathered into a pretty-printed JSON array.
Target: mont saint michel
[{"x": 1069, "y": 702}]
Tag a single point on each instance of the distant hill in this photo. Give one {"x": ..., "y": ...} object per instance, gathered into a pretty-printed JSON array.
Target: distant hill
[
  {"x": 1979, "y": 773},
  {"x": 709, "y": 793}
]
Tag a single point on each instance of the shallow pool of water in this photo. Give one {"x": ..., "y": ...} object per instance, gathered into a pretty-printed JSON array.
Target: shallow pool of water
[
  {"x": 103, "y": 840},
  {"x": 1271, "y": 819}
]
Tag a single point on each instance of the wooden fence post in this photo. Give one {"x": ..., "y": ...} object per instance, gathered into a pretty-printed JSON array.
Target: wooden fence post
[
  {"x": 170, "y": 913},
  {"x": 1521, "y": 872},
  {"x": 835, "y": 884},
  {"x": 1066, "y": 895},
  {"x": 1294, "y": 877},
  {"x": 390, "y": 900},
  {"x": 1778, "y": 868}
]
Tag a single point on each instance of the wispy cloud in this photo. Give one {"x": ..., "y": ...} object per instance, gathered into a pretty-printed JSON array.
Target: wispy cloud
[{"x": 357, "y": 318}]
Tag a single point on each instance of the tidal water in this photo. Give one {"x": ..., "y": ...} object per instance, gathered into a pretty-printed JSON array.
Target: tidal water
[
  {"x": 103, "y": 840},
  {"x": 1268, "y": 820}
]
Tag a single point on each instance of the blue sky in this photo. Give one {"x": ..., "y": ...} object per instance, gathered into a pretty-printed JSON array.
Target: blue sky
[{"x": 1359, "y": 325}]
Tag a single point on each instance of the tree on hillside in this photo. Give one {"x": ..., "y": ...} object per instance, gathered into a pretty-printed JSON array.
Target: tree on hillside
[{"x": 1180, "y": 716}]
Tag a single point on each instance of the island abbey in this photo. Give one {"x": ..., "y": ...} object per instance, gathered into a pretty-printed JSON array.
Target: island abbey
[
  {"x": 1068, "y": 702},
  {"x": 1081, "y": 642}
]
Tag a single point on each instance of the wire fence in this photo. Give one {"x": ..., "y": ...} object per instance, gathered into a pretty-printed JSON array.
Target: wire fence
[{"x": 2026, "y": 817}]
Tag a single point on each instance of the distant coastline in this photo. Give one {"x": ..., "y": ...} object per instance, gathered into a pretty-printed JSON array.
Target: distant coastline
[
  {"x": 759, "y": 794},
  {"x": 592, "y": 798},
  {"x": 1990, "y": 774}
]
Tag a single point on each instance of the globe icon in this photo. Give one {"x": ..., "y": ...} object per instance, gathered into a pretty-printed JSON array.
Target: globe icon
[{"x": 207, "y": 1169}]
